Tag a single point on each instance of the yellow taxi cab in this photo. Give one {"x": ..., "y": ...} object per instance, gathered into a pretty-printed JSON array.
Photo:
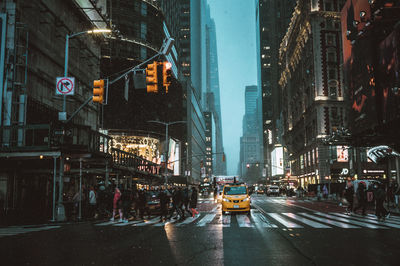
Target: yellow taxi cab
[{"x": 235, "y": 198}]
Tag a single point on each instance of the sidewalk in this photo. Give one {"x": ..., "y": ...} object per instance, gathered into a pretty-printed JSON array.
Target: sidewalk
[{"x": 334, "y": 201}]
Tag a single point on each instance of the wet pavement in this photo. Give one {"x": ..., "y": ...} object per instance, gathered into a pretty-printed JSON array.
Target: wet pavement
[{"x": 278, "y": 231}]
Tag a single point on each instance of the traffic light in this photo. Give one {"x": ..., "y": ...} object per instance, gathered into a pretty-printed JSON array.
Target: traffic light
[
  {"x": 151, "y": 78},
  {"x": 167, "y": 75},
  {"x": 98, "y": 91}
]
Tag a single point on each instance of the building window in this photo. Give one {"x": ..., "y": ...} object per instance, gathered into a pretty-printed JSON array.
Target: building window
[
  {"x": 143, "y": 53},
  {"x": 332, "y": 91},
  {"x": 331, "y": 56},
  {"x": 328, "y": 6},
  {"x": 143, "y": 10},
  {"x": 332, "y": 74},
  {"x": 331, "y": 39},
  {"x": 143, "y": 30}
]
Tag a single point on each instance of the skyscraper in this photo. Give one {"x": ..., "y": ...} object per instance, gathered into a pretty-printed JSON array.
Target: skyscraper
[
  {"x": 188, "y": 20},
  {"x": 272, "y": 20},
  {"x": 250, "y": 142},
  {"x": 212, "y": 98}
]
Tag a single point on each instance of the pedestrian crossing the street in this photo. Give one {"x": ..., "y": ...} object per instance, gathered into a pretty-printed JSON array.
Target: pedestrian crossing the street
[
  {"x": 261, "y": 219},
  {"x": 17, "y": 230}
]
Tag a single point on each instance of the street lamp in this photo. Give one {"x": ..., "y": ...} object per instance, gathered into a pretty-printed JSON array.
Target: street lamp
[
  {"x": 67, "y": 37},
  {"x": 166, "y": 124},
  {"x": 63, "y": 117}
]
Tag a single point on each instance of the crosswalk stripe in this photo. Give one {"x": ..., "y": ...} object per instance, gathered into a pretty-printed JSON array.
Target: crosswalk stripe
[
  {"x": 327, "y": 221},
  {"x": 163, "y": 223},
  {"x": 261, "y": 220},
  {"x": 306, "y": 221},
  {"x": 373, "y": 217},
  {"x": 10, "y": 231},
  {"x": 206, "y": 219},
  {"x": 243, "y": 220},
  {"x": 148, "y": 222},
  {"x": 223, "y": 220},
  {"x": 188, "y": 220},
  {"x": 284, "y": 221},
  {"x": 226, "y": 220},
  {"x": 392, "y": 219},
  {"x": 128, "y": 223},
  {"x": 351, "y": 221},
  {"x": 369, "y": 220},
  {"x": 105, "y": 223}
]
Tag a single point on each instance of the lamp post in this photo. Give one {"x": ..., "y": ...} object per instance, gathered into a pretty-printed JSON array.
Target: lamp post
[
  {"x": 63, "y": 117},
  {"x": 67, "y": 37},
  {"x": 166, "y": 124}
]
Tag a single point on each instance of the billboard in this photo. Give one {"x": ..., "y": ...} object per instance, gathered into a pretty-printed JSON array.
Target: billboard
[
  {"x": 342, "y": 154},
  {"x": 277, "y": 161},
  {"x": 3, "y": 24},
  {"x": 389, "y": 77},
  {"x": 358, "y": 66}
]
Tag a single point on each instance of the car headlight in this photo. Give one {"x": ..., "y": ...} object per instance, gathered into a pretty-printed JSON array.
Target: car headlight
[
  {"x": 226, "y": 200},
  {"x": 246, "y": 199}
]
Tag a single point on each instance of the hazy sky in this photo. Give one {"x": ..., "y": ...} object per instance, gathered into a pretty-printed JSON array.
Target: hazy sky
[{"x": 237, "y": 62}]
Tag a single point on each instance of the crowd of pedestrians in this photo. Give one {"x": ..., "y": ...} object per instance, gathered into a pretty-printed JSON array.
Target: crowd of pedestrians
[
  {"x": 123, "y": 205},
  {"x": 375, "y": 193}
]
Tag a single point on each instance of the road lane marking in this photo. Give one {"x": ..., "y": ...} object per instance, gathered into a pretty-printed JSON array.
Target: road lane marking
[
  {"x": 392, "y": 219},
  {"x": 106, "y": 223},
  {"x": 10, "y": 231},
  {"x": 148, "y": 222},
  {"x": 223, "y": 221},
  {"x": 327, "y": 221},
  {"x": 243, "y": 220},
  {"x": 351, "y": 221},
  {"x": 369, "y": 220},
  {"x": 373, "y": 217},
  {"x": 206, "y": 219},
  {"x": 188, "y": 220},
  {"x": 261, "y": 220},
  {"x": 163, "y": 223},
  {"x": 284, "y": 221},
  {"x": 226, "y": 220},
  {"x": 128, "y": 223},
  {"x": 306, "y": 221}
]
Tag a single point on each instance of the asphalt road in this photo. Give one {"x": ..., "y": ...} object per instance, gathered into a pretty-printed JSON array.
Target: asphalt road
[{"x": 278, "y": 232}]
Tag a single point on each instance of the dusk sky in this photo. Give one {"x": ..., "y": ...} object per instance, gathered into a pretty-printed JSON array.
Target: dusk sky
[{"x": 236, "y": 41}]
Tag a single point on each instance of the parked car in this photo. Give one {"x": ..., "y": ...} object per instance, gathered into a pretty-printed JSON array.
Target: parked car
[
  {"x": 273, "y": 190},
  {"x": 153, "y": 201}
]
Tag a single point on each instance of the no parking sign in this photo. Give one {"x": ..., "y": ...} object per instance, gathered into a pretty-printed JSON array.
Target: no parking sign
[{"x": 65, "y": 86}]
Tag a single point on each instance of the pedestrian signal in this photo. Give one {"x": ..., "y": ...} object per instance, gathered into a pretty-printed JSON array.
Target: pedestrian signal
[{"x": 98, "y": 91}]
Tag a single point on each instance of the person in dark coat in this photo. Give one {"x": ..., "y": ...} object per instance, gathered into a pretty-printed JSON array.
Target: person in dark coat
[
  {"x": 362, "y": 198},
  {"x": 142, "y": 203},
  {"x": 193, "y": 201},
  {"x": 164, "y": 202},
  {"x": 186, "y": 200},
  {"x": 126, "y": 199},
  {"x": 380, "y": 196},
  {"x": 349, "y": 196},
  {"x": 177, "y": 203}
]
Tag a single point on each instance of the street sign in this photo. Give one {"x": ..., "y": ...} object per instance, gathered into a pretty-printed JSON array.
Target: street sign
[{"x": 65, "y": 86}]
